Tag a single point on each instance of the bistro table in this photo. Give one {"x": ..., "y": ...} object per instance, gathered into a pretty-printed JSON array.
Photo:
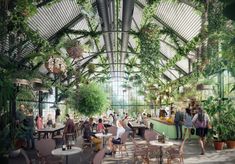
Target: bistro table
[
  {"x": 49, "y": 130},
  {"x": 160, "y": 144},
  {"x": 134, "y": 126},
  {"x": 67, "y": 152},
  {"x": 101, "y": 135}
]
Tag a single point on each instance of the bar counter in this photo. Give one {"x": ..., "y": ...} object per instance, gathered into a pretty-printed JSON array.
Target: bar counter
[{"x": 167, "y": 127}]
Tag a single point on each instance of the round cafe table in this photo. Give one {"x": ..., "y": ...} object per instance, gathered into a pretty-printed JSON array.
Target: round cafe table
[
  {"x": 160, "y": 144},
  {"x": 67, "y": 152},
  {"x": 101, "y": 135}
]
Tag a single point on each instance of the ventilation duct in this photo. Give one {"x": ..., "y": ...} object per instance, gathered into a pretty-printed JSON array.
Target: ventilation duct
[
  {"x": 102, "y": 6},
  {"x": 127, "y": 14}
]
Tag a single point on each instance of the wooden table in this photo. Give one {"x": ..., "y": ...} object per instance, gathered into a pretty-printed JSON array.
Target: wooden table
[
  {"x": 66, "y": 153},
  {"x": 134, "y": 126},
  {"x": 48, "y": 130},
  {"x": 160, "y": 144}
]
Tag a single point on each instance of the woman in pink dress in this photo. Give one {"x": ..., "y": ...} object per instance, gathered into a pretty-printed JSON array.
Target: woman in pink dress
[
  {"x": 39, "y": 122},
  {"x": 100, "y": 127}
]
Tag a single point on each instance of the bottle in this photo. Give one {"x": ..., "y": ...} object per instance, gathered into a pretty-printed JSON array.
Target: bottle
[{"x": 163, "y": 137}]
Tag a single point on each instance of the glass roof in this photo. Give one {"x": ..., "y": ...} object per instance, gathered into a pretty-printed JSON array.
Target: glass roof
[{"x": 183, "y": 19}]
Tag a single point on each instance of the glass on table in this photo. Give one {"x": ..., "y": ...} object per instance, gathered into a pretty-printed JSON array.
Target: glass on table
[{"x": 157, "y": 138}]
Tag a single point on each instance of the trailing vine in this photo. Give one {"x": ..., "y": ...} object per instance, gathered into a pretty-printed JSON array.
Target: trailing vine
[
  {"x": 149, "y": 12},
  {"x": 149, "y": 49}
]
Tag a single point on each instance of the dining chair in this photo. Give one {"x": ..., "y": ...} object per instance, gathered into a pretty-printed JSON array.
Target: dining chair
[
  {"x": 113, "y": 130},
  {"x": 176, "y": 152},
  {"x": 153, "y": 151},
  {"x": 44, "y": 148},
  {"x": 140, "y": 150},
  {"x": 120, "y": 146},
  {"x": 99, "y": 157}
]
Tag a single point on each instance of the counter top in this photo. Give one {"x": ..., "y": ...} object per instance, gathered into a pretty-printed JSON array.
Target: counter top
[{"x": 162, "y": 121}]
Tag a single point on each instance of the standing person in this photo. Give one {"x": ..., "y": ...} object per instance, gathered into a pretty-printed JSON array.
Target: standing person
[
  {"x": 111, "y": 119},
  {"x": 100, "y": 126},
  {"x": 69, "y": 125},
  {"x": 178, "y": 124},
  {"x": 29, "y": 123},
  {"x": 20, "y": 115},
  {"x": 201, "y": 121},
  {"x": 57, "y": 114},
  {"x": 39, "y": 122},
  {"x": 187, "y": 123},
  {"x": 69, "y": 129}
]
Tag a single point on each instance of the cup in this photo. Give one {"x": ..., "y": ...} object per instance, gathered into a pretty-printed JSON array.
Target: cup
[{"x": 63, "y": 147}]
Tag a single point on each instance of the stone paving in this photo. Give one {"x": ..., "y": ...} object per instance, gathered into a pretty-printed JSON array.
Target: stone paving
[{"x": 191, "y": 155}]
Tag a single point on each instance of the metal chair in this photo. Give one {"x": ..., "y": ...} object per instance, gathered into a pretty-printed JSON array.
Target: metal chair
[
  {"x": 44, "y": 148},
  {"x": 140, "y": 150},
  {"x": 113, "y": 130},
  {"x": 153, "y": 151},
  {"x": 99, "y": 157},
  {"x": 176, "y": 152},
  {"x": 120, "y": 146}
]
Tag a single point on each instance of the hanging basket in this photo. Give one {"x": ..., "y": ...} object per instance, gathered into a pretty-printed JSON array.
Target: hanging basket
[
  {"x": 21, "y": 82},
  {"x": 55, "y": 70},
  {"x": 36, "y": 81},
  {"x": 201, "y": 87},
  {"x": 75, "y": 51}
]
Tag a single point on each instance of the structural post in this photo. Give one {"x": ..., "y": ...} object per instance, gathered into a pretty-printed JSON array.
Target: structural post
[{"x": 40, "y": 102}]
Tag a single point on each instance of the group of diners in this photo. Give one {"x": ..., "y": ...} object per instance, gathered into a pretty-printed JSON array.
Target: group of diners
[
  {"x": 89, "y": 135},
  {"x": 93, "y": 126}
]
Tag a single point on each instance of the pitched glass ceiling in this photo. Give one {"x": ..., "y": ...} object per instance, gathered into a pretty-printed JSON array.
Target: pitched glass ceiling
[{"x": 183, "y": 19}]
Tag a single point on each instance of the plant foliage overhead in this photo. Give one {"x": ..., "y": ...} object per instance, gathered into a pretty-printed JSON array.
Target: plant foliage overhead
[{"x": 90, "y": 99}]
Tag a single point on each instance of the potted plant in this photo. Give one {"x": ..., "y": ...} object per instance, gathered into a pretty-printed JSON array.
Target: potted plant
[
  {"x": 227, "y": 117},
  {"x": 214, "y": 109},
  {"x": 73, "y": 48}
]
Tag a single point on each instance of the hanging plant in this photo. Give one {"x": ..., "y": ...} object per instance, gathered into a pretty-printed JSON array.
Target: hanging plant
[
  {"x": 149, "y": 50},
  {"x": 91, "y": 68},
  {"x": 73, "y": 48}
]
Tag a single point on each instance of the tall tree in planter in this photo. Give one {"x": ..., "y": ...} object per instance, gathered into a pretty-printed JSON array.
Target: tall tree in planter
[{"x": 90, "y": 100}]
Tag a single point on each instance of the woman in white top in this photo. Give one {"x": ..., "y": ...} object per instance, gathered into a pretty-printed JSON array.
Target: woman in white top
[{"x": 117, "y": 138}]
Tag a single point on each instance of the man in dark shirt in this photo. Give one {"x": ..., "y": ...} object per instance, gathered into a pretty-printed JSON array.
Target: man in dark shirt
[
  {"x": 69, "y": 126},
  {"x": 178, "y": 123},
  {"x": 69, "y": 130}
]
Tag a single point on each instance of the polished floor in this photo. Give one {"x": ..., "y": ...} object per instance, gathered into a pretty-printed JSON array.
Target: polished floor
[{"x": 191, "y": 155}]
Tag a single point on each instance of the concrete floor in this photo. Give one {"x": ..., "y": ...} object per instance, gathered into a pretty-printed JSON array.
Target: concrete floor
[{"x": 191, "y": 155}]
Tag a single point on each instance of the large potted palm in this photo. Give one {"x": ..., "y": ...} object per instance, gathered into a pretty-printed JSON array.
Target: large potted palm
[
  {"x": 227, "y": 118},
  {"x": 214, "y": 110}
]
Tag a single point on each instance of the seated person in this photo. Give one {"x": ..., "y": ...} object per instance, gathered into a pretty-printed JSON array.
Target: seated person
[
  {"x": 100, "y": 127},
  {"x": 117, "y": 138},
  {"x": 49, "y": 120},
  {"x": 88, "y": 135}
]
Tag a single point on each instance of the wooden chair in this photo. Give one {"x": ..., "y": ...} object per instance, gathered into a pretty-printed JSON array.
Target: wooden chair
[
  {"x": 99, "y": 157},
  {"x": 176, "y": 152},
  {"x": 123, "y": 143},
  {"x": 140, "y": 150},
  {"x": 153, "y": 151},
  {"x": 113, "y": 130},
  {"x": 44, "y": 148}
]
